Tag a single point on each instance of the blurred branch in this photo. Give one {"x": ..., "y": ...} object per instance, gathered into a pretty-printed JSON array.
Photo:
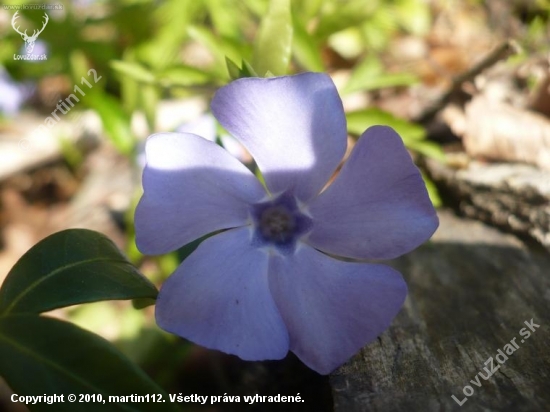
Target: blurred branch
[{"x": 501, "y": 52}]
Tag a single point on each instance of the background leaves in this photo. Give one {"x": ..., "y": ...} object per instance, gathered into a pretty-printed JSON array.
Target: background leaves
[{"x": 273, "y": 45}]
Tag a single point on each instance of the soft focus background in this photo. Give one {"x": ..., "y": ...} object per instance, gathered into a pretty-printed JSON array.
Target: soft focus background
[{"x": 465, "y": 82}]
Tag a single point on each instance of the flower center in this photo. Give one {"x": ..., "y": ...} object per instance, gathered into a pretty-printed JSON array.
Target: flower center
[{"x": 279, "y": 223}]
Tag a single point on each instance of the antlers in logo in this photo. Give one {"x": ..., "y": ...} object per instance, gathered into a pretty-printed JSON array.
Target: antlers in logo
[{"x": 29, "y": 40}]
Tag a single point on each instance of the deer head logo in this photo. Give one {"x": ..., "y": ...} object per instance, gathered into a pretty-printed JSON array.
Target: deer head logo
[{"x": 29, "y": 40}]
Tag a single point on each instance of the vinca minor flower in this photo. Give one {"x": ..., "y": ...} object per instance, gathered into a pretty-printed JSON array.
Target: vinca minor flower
[{"x": 272, "y": 279}]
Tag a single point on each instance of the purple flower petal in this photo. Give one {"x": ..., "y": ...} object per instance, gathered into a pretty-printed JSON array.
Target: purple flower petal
[
  {"x": 12, "y": 94},
  {"x": 191, "y": 187},
  {"x": 219, "y": 298},
  {"x": 293, "y": 126},
  {"x": 378, "y": 206},
  {"x": 333, "y": 308}
]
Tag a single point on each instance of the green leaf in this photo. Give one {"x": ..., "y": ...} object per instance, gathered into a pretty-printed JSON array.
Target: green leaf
[
  {"x": 370, "y": 75},
  {"x": 129, "y": 88},
  {"x": 116, "y": 122},
  {"x": 426, "y": 148},
  {"x": 379, "y": 29},
  {"x": 412, "y": 134},
  {"x": 219, "y": 47},
  {"x": 149, "y": 96},
  {"x": 41, "y": 355},
  {"x": 247, "y": 70},
  {"x": 305, "y": 49},
  {"x": 182, "y": 75},
  {"x": 71, "y": 267},
  {"x": 258, "y": 7},
  {"x": 347, "y": 43},
  {"x": 232, "y": 68},
  {"x": 360, "y": 120},
  {"x": 225, "y": 17},
  {"x": 414, "y": 15},
  {"x": 433, "y": 193},
  {"x": 141, "y": 303},
  {"x": 133, "y": 70},
  {"x": 236, "y": 72},
  {"x": 307, "y": 9},
  {"x": 79, "y": 64},
  {"x": 172, "y": 19},
  {"x": 337, "y": 16},
  {"x": 273, "y": 44}
]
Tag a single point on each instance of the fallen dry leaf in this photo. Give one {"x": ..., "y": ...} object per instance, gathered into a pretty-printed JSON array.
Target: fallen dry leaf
[{"x": 499, "y": 131}]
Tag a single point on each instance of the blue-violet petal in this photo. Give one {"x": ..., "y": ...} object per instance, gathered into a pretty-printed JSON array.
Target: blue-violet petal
[
  {"x": 192, "y": 187},
  {"x": 378, "y": 206},
  {"x": 219, "y": 298},
  {"x": 333, "y": 308},
  {"x": 293, "y": 126}
]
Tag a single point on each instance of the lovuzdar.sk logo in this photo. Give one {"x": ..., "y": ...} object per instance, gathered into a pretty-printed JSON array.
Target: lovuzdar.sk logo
[{"x": 29, "y": 40}]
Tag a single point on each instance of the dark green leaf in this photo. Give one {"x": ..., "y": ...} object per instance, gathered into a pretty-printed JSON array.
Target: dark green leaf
[
  {"x": 236, "y": 72},
  {"x": 232, "y": 68},
  {"x": 185, "y": 251},
  {"x": 71, "y": 267},
  {"x": 40, "y": 355},
  {"x": 141, "y": 303},
  {"x": 273, "y": 44},
  {"x": 247, "y": 70}
]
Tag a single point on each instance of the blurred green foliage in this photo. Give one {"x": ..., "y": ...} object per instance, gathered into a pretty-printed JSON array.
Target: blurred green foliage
[
  {"x": 146, "y": 51},
  {"x": 136, "y": 53}
]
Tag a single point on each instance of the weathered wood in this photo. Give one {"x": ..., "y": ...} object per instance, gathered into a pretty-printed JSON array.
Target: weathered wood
[
  {"x": 470, "y": 291},
  {"x": 515, "y": 197}
]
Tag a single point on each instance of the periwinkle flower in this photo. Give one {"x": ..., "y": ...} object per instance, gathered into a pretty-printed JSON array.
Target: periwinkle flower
[
  {"x": 40, "y": 48},
  {"x": 273, "y": 279},
  {"x": 12, "y": 94}
]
